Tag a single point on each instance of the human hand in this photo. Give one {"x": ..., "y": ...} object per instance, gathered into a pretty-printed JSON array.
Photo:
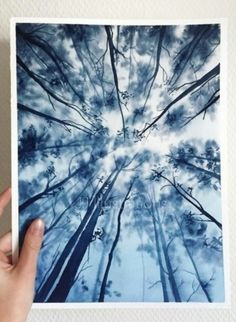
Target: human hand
[{"x": 17, "y": 281}]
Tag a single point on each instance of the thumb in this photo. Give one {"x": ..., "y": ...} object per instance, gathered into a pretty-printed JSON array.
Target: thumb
[{"x": 27, "y": 263}]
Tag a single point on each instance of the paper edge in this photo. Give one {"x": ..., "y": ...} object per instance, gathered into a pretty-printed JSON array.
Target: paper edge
[{"x": 223, "y": 148}]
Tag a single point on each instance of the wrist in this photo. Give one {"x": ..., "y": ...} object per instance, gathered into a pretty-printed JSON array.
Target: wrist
[
  {"x": 11, "y": 316},
  {"x": 8, "y": 318}
]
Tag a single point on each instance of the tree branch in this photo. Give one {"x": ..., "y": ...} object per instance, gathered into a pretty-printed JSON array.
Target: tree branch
[{"x": 212, "y": 73}]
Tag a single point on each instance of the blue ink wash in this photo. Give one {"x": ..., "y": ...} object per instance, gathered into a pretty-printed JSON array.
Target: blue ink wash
[{"x": 119, "y": 153}]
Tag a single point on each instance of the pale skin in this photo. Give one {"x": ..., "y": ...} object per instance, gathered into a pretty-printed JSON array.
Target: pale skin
[{"x": 17, "y": 281}]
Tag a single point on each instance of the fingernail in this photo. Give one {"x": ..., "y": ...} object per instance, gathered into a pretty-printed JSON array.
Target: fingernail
[{"x": 37, "y": 227}]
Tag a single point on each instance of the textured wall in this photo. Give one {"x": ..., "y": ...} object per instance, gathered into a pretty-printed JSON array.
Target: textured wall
[{"x": 126, "y": 9}]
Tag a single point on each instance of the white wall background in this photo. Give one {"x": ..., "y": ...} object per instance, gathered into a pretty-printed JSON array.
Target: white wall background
[{"x": 126, "y": 9}]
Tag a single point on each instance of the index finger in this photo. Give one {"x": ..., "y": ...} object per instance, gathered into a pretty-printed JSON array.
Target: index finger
[{"x": 5, "y": 197}]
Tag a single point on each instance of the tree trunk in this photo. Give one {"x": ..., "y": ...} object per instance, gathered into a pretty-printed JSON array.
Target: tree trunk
[
  {"x": 80, "y": 56},
  {"x": 207, "y": 77},
  {"x": 48, "y": 285},
  {"x": 72, "y": 204},
  {"x": 36, "y": 197},
  {"x": 112, "y": 58},
  {"x": 193, "y": 166},
  {"x": 109, "y": 228},
  {"x": 191, "y": 47},
  {"x": 110, "y": 256},
  {"x": 67, "y": 277},
  {"x": 171, "y": 276},
  {"x": 158, "y": 56},
  {"x": 35, "y": 41},
  {"x": 204, "y": 289},
  {"x": 159, "y": 256},
  {"x": 193, "y": 202},
  {"x": 52, "y": 94},
  {"x": 65, "y": 123}
]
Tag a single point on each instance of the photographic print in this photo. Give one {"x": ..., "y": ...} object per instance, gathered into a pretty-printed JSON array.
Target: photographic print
[{"x": 119, "y": 152}]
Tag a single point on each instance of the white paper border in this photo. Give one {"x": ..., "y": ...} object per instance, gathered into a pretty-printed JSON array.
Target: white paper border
[{"x": 223, "y": 148}]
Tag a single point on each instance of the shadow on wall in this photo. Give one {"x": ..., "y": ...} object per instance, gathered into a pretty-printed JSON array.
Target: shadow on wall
[{"x": 5, "y": 136}]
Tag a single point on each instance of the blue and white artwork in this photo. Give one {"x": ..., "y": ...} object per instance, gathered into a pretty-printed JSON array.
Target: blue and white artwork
[{"x": 119, "y": 153}]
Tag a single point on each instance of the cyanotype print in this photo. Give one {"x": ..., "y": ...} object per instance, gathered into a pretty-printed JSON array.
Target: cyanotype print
[{"x": 118, "y": 150}]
